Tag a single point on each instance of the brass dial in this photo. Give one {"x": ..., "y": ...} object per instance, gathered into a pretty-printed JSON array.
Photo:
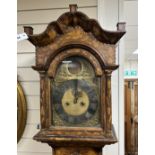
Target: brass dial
[{"x": 75, "y": 106}]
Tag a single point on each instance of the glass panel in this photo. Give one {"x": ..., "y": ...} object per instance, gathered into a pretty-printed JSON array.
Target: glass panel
[{"x": 75, "y": 94}]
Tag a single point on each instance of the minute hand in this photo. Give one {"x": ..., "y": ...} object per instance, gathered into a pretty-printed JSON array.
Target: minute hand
[{"x": 75, "y": 91}]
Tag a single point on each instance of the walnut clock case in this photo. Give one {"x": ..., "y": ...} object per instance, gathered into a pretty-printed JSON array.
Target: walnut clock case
[{"x": 75, "y": 58}]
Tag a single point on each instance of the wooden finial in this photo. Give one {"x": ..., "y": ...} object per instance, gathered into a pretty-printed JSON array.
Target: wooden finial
[
  {"x": 73, "y": 8},
  {"x": 28, "y": 30},
  {"x": 121, "y": 26}
]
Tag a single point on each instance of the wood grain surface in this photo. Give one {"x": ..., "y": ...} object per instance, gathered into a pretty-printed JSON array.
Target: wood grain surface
[{"x": 74, "y": 34}]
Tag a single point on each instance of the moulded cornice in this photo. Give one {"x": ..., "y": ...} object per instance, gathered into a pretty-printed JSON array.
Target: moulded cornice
[{"x": 73, "y": 19}]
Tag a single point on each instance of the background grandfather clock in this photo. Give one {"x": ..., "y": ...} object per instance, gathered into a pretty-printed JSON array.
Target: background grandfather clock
[{"x": 75, "y": 58}]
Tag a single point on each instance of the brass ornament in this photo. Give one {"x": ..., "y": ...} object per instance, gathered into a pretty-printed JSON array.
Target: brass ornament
[{"x": 21, "y": 111}]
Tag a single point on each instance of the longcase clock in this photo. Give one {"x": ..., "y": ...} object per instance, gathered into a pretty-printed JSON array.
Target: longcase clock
[{"x": 75, "y": 58}]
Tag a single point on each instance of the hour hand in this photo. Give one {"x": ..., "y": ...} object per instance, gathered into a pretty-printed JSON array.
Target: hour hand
[{"x": 77, "y": 94}]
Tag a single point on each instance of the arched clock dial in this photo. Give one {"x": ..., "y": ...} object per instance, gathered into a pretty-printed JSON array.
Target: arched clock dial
[
  {"x": 75, "y": 101},
  {"x": 75, "y": 94}
]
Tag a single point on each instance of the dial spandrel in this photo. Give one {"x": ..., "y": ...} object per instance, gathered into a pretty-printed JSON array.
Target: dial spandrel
[{"x": 75, "y": 94}]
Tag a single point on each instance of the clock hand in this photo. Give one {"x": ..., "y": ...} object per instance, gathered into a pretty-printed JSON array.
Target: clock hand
[{"x": 75, "y": 91}]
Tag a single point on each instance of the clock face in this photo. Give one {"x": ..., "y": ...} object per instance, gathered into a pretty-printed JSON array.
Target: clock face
[
  {"x": 75, "y": 101},
  {"x": 75, "y": 94}
]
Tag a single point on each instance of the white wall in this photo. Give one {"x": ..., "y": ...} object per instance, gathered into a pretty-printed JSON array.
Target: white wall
[
  {"x": 38, "y": 14},
  {"x": 109, "y": 14},
  {"x": 131, "y": 38},
  {"x": 132, "y": 64}
]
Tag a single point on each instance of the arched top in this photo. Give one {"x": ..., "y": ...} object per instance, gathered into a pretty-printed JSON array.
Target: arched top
[
  {"x": 89, "y": 51},
  {"x": 73, "y": 19},
  {"x": 70, "y": 46},
  {"x": 77, "y": 52}
]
